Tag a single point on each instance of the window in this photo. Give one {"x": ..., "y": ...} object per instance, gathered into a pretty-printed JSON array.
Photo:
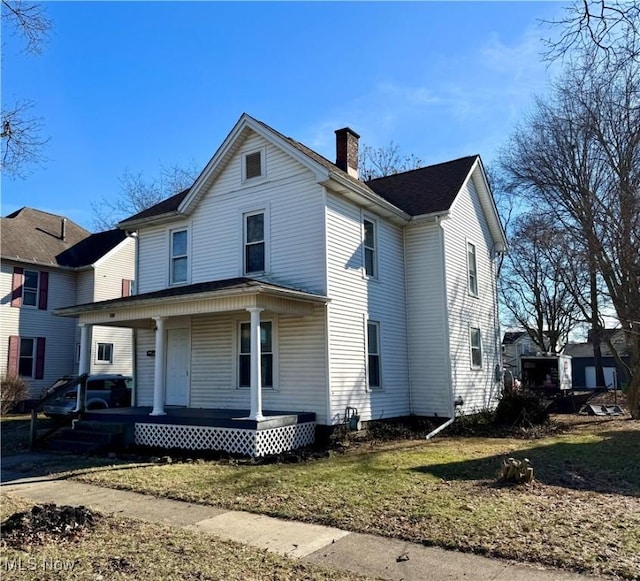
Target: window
[
  {"x": 30, "y": 288},
  {"x": 105, "y": 353},
  {"x": 370, "y": 265},
  {"x": 373, "y": 353},
  {"x": 179, "y": 257},
  {"x": 472, "y": 269},
  {"x": 254, "y": 243},
  {"x": 27, "y": 357},
  {"x": 266, "y": 354},
  {"x": 476, "y": 348},
  {"x": 127, "y": 287}
]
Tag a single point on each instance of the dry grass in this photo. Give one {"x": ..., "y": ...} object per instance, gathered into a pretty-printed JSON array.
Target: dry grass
[
  {"x": 118, "y": 548},
  {"x": 582, "y": 512}
]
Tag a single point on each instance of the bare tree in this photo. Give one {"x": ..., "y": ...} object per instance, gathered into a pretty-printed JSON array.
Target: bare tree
[
  {"x": 22, "y": 139},
  {"x": 532, "y": 284},
  {"x": 384, "y": 161},
  {"x": 604, "y": 31},
  {"x": 578, "y": 157},
  {"x": 137, "y": 193}
]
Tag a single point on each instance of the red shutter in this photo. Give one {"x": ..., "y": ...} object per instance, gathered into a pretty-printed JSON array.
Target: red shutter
[
  {"x": 14, "y": 355},
  {"x": 44, "y": 291},
  {"x": 16, "y": 287},
  {"x": 126, "y": 287},
  {"x": 40, "y": 345}
]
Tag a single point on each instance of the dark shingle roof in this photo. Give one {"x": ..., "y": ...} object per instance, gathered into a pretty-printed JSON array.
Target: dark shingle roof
[
  {"x": 426, "y": 190},
  {"x": 169, "y": 205},
  {"x": 92, "y": 248},
  {"x": 33, "y": 236},
  {"x": 512, "y": 336}
]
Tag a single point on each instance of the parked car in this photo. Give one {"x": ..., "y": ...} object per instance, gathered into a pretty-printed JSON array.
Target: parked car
[{"x": 104, "y": 391}]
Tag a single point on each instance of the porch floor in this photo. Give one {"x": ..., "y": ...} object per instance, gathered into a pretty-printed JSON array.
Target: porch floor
[{"x": 210, "y": 417}]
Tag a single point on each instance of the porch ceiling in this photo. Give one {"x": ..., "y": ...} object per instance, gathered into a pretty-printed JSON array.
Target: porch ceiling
[{"x": 211, "y": 297}]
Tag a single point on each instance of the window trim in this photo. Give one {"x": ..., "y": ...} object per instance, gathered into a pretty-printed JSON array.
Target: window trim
[
  {"x": 263, "y": 165},
  {"x": 472, "y": 274},
  {"x": 274, "y": 352},
  {"x": 173, "y": 258},
  {"x": 265, "y": 241},
  {"x": 373, "y": 249},
  {"x": 377, "y": 354},
  {"x": 473, "y": 348},
  {"x": 111, "y": 352}
]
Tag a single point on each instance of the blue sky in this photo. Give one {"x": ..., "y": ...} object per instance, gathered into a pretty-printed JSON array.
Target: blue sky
[{"x": 137, "y": 85}]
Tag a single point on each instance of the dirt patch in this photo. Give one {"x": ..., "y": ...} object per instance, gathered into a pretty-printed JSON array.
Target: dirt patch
[{"x": 48, "y": 523}]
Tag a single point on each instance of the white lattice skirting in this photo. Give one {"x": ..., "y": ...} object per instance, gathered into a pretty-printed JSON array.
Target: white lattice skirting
[{"x": 233, "y": 440}]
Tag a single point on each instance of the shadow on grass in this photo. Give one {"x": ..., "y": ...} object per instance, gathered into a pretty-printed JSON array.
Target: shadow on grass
[{"x": 611, "y": 465}]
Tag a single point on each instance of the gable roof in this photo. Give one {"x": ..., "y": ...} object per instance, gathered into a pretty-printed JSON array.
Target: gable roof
[
  {"x": 512, "y": 336},
  {"x": 426, "y": 190},
  {"x": 34, "y": 236},
  {"x": 420, "y": 192}
]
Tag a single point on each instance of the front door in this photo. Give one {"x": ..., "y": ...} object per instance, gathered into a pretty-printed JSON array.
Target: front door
[{"x": 177, "y": 378}]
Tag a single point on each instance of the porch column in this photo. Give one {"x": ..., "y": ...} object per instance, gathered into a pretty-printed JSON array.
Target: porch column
[
  {"x": 256, "y": 373},
  {"x": 158, "y": 371},
  {"x": 84, "y": 365}
]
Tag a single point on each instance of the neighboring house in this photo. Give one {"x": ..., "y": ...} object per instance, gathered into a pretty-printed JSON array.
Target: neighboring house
[
  {"x": 280, "y": 281},
  {"x": 515, "y": 344},
  {"x": 583, "y": 362},
  {"x": 48, "y": 263}
]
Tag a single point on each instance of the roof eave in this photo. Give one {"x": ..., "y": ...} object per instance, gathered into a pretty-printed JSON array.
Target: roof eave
[
  {"x": 368, "y": 198},
  {"x": 110, "y": 305},
  {"x": 149, "y": 220}
]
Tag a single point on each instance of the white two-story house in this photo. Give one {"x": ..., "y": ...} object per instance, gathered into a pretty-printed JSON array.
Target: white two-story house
[
  {"x": 49, "y": 262},
  {"x": 280, "y": 282}
]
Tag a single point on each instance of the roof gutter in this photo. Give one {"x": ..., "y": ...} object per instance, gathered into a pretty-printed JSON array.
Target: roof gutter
[{"x": 150, "y": 220}]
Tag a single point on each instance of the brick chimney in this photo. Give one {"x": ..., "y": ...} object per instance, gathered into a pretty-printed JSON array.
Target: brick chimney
[{"x": 347, "y": 150}]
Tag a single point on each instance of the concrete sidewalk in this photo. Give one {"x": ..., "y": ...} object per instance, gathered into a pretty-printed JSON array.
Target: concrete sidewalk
[{"x": 327, "y": 546}]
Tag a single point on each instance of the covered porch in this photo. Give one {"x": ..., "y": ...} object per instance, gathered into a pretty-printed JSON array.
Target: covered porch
[{"x": 249, "y": 430}]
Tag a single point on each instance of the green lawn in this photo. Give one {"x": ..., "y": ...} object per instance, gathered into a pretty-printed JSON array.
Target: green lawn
[{"x": 582, "y": 513}]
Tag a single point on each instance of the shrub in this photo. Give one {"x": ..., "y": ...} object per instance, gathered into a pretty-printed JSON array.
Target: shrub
[
  {"x": 521, "y": 410},
  {"x": 12, "y": 390}
]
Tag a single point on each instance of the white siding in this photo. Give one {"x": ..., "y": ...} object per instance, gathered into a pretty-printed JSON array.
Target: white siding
[
  {"x": 354, "y": 299},
  {"x": 477, "y": 387},
  {"x": 143, "y": 392},
  {"x": 112, "y": 268},
  {"x": 427, "y": 328},
  {"x": 122, "y": 350},
  {"x": 84, "y": 287},
  {"x": 293, "y": 202},
  {"x": 301, "y": 364},
  {"x": 31, "y": 322},
  {"x": 153, "y": 259}
]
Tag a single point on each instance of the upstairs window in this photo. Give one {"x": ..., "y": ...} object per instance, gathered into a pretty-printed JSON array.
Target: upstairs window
[
  {"x": 29, "y": 288},
  {"x": 370, "y": 258},
  {"x": 373, "y": 354},
  {"x": 179, "y": 257},
  {"x": 254, "y": 243},
  {"x": 253, "y": 165},
  {"x": 472, "y": 269},
  {"x": 475, "y": 340}
]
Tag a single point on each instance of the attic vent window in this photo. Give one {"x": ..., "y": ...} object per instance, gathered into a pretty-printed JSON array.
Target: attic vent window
[{"x": 253, "y": 165}]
